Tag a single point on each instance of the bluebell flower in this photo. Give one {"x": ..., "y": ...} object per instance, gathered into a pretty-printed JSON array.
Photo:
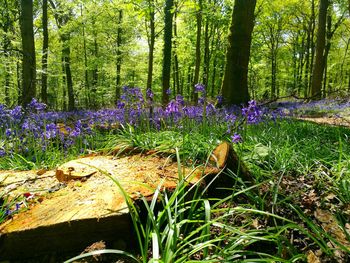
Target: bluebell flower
[
  {"x": 199, "y": 88},
  {"x": 2, "y": 153},
  {"x": 219, "y": 99},
  {"x": 236, "y": 138},
  {"x": 8, "y": 132},
  {"x": 149, "y": 94}
]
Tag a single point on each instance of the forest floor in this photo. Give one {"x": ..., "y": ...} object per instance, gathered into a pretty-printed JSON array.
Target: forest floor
[{"x": 302, "y": 181}]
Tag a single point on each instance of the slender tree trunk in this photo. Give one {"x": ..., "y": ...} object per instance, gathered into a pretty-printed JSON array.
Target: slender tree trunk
[
  {"x": 66, "y": 60},
  {"x": 151, "y": 41},
  {"x": 198, "y": 51},
  {"x": 28, "y": 47},
  {"x": 235, "y": 84},
  {"x": 176, "y": 60},
  {"x": 312, "y": 48},
  {"x": 6, "y": 47},
  {"x": 307, "y": 60},
  {"x": 320, "y": 48},
  {"x": 86, "y": 71},
  {"x": 64, "y": 86},
  {"x": 119, "y": 56},
  {"x": 273, "y": 72},
  {"x": 168, "y": 26},
  {"x": 19, "y": 84},
  {"x": 206, "y": 52},
  {"x": 61, "y": 20},
  {"x": 326, "y": 52},
  {"x": 45, "y": 54}
]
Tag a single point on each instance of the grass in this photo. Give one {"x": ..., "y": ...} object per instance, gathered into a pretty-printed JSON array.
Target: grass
[{"x": 297, "y": 165}]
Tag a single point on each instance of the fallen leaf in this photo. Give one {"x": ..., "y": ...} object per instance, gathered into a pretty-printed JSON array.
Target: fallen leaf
[{"x": 312, "y": 258}]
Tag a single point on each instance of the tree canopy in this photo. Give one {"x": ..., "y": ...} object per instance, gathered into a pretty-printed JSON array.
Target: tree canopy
[{"x": 85, "y": 51}]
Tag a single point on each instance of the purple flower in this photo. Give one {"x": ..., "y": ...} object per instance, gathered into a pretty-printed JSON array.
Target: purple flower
[
  {"x": 149, "y": 94},
  {"x": 252, "y": 112},
  {"x": 199, "y": 88},
  {"x": 180, "y": 100},
  {"x": 220, "y": 99},
  {"x": 34, "y": 105},
  {"x": 168, "y": 92},
  {"x": 16, "y": 113},
  {"x": 236, "y": 138},
  {"x": 120, "y": 105},
  {"x": 8, "y": 132},
  {"x": 2, "y": 153}
]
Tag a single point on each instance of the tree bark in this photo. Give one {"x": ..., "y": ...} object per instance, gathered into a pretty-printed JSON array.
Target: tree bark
[
  {"x": 198, "y": 51},
  {"x": 61, "y": 20},
  {"x": 28, "y": 47},
  {"x": 151, "y": 41},
  {"x": 318, "y": 70},
  {"x": 119, "y": 56},
  {"x": 86, "y": 72},
  {"x": 66, "y": 60},
  {"x": 168, "y": 26},
  {"x": 235, "y": 84},
  {"x": 45, "y": 53},
  {"x": 176, "y": 60},
  {"x": 6, "y": 46}
]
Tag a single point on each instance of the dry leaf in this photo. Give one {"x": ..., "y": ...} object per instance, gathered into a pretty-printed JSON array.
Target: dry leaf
[
  {"x": 312, "y": 258},
  {"x": 330, "y": 196}
]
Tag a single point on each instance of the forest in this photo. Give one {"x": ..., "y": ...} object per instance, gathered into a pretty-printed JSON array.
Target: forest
[{"x": 175, "y": 131}]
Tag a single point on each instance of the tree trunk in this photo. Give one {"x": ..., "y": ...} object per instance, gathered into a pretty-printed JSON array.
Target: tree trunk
[
  {"x": 62, "y": 19},
  {"x": 66, "y": 60},
  {"x": 6, "y": 47},
  {"x": 206, "y": 52},
  {"x": 235, "y": 84},
  {"x": 168, "y": 26},
  {"x": 86, "y": 72},
  {"x": 320, "y": 48},
  {"x": 119, "y": 56},
  {"x": 176, "y": 60},
  {"x": 151, "y": 41},
  {"x": 198, "y": 51},
  {"x": 312, "y": 48},
  {"x": 45, "y": 54},
  {"x": 28, "y": 47},
  {"x": 307, "y": 59}
]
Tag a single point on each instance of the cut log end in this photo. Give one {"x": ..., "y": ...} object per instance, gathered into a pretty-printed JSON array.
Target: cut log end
[{"x": 225, "y": 157}]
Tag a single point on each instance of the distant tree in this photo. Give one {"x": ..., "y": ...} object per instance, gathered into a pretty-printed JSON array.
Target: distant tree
[
  {"x": 119, "y": 55},
  {"x": 316, "y": 83},
  {"x": 62, "y": 17},
  {"x": 198, "y": 49},
  {"x": 45, "y": 53},
  {"x": 235, "y": 84},
  {"x": 6, "y": 24},
  {"x": 168, "y": 25},
  {"x": 151, "y": 37},
  {"x": 28, "y": 48}
]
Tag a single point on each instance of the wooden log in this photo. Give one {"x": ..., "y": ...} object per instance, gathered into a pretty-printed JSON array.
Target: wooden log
[{"x": 225, "y": 158}]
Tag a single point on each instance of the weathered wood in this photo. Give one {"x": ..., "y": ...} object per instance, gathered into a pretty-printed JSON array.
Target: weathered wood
[
  {"x": 72, "y": 218},
  {"x": 89, "y": 207},
  {"x": 225, "y": 158}
]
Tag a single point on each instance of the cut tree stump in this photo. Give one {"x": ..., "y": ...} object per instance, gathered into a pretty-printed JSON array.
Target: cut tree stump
[
  {"x": 224, "y": 157},
  {"x": 82, "y": 205}
]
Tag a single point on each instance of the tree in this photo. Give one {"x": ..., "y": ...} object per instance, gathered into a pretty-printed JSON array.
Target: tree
[
  {"x": 235, "y": 83},
  {"x": 151, "y": 37},
  {"x": 198, "y": 49},
  {"x": 28, "y": 48},
  {"x": 62, "y": 17},
  {"x": 45, "y": 53},
  {"x": 168, "y": 26},
  {"x": 319, "y": 65}
]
